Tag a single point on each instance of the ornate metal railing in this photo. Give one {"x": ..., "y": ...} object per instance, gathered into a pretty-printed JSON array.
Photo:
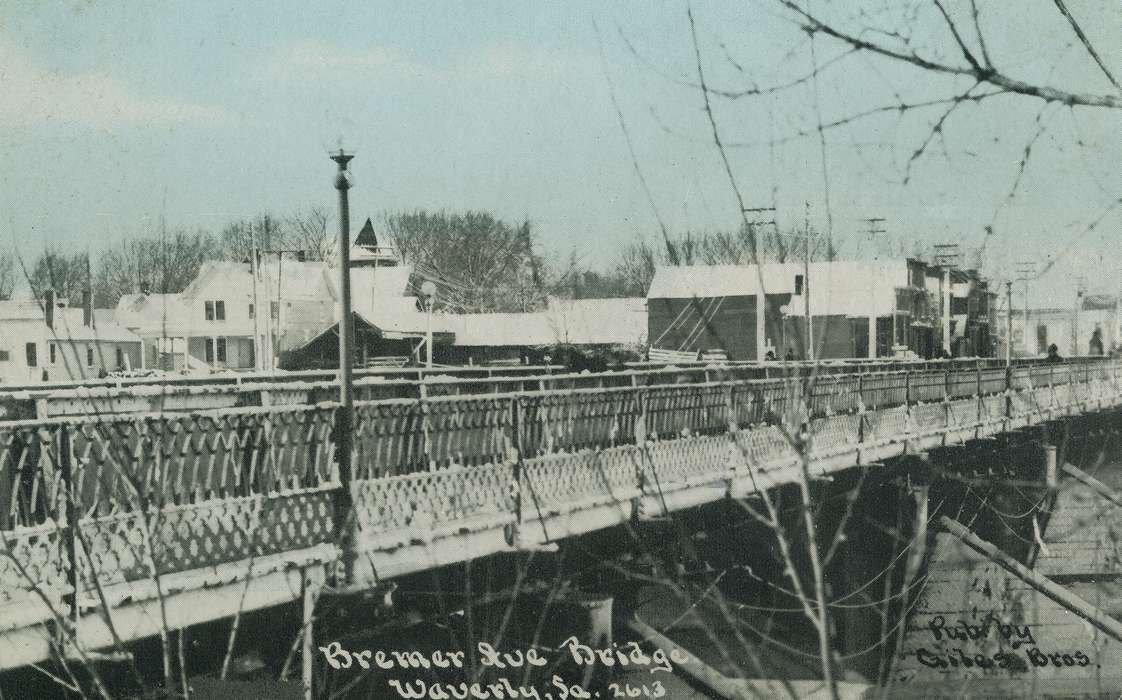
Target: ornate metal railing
[{"x": 163, "y": 494}]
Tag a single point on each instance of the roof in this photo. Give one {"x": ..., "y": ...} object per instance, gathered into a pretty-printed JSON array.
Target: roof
[
  {"x": 565, "y": 321},
  {"x": 144, "y": 311},
  {"x": 297, "y": 280},
  {"x": 703, "y": 281},
  {"x": 367, "y": 237},
  {"x": 69, "y": 326},
  {"x": 840, "y": 287},
  {"x": 1099, "y": 302}
]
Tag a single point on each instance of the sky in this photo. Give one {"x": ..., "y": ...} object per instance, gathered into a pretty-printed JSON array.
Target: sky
[{"x": 116, "y": 114}]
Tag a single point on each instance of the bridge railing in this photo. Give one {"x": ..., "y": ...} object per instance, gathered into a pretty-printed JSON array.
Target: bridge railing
[
  {"x": 168, "y": 493},
  {"x": 215, "y": 392}
]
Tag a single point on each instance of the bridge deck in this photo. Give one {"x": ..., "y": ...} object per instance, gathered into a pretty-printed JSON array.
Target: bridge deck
[{"x": 221, "y": 510}]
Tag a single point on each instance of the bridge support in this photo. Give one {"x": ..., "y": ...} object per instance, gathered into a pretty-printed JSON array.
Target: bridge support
[
  {"x": 1051, "y": 474},
  {"x": 311, "y": 585}
]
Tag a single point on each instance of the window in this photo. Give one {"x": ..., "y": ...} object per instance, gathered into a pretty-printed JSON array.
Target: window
[
  {"x": 251, "y": 310},
  {"x": 221, "y": 344},
  {"x": 120, "y": 358},
  {"x": 798, "y": 284},
  {"x": 32, "y": 355},
  {"x": 4, "y": 356},
  {"x": 89, "y": 356},
  {"x": 220, "y": 310},
  {"x": 52, "y": 351},
  {"x": 274, "y": 310},
  {"x": 209, "y": 351},
  {"x": 208, "y": 310}
]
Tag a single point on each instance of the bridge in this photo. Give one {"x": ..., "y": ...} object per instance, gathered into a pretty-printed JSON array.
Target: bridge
[{"x": 124, "y": 523}]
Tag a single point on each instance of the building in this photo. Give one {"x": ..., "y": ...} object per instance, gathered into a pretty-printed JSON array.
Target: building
[
  {"x": 856, "y": 309},
  {"x": 226, "y": 318},
  {"x": 582, "y": 333},
  {"x": 48, "y": 340},
  {"x": 1070, "y": 331}
]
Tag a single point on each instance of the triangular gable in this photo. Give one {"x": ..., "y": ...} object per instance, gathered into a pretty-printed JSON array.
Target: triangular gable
[{"x": 367, "y": 237}]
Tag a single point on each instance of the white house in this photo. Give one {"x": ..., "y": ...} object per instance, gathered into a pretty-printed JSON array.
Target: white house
[
  {"x": 224, "y": 319},
  {"x": 50, "y": 341}
]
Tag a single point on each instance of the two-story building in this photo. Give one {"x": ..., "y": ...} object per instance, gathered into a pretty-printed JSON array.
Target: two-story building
[
  {"x": 856, "y": 309},
  {"x": 228, "y": 319},
  {"x": 48, "y": 340}
]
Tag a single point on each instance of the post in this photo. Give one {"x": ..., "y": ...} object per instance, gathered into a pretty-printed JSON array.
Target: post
[
  {"x": 1009, "y": 323},
  {"x": 1026, "y": 334},
  {"x": 428, "y": 334},
  {"x": 806, "y": 292},
  {"x": 345, "y": 415},
  {"x": 1075, "y": 323},
  {"x": 70, "y": 510},
  {"x": 872, "y": 337},
  {"x": 258, "y": 351},
  {"x": 761, "y": 332},
  {"x": 1051, "y": 476},
  {"x": 947, "y": 310},
  {"x": 274, "y": 345},
  {"x": 311, "y": 584}
]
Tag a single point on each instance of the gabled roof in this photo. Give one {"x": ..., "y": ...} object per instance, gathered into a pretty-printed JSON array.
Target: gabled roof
[
  {"x": 68, "y": 326},
  {"x": 565, "y": 321}
]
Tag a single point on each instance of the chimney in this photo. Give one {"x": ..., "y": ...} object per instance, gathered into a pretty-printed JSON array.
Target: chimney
[
  {"x": 49, "y": 308},
  {"x": 87, "y": 308}
]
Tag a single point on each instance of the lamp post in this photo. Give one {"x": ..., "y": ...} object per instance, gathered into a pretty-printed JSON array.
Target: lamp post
[
  {"x": 428, "y": 291},
  {"x": 344, "y": 416}
]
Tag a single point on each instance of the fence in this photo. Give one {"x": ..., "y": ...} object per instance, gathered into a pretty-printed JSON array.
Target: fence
[{"x": 160, "y": 494}]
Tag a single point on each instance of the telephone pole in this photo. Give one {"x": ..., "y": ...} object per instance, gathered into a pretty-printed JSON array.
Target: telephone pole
[
  {"x": 874, "y": 227},
  {"x": 806, "y": 288},
  {"x": 1080, "y": 290},
  {"x": 1026, "y": 270},
  {"x": 1008, "y": 323},
  {"x": 946, "y": 256},
  {"x": 761, "y": 299}
]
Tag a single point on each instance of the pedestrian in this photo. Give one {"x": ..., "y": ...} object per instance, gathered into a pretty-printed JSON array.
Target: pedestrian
[{"x": 1096, "y": 345}]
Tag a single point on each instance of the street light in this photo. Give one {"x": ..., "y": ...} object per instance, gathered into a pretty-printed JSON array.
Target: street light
[{"x": 428, "y": 291}]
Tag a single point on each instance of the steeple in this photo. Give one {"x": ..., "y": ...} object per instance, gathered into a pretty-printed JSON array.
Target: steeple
[
  {"x": 366, "y": 237},
  {"x": 366, "y": 251}
]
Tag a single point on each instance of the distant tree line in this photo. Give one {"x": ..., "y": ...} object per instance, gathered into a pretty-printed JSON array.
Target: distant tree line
[{"x": 478, "y": 262}]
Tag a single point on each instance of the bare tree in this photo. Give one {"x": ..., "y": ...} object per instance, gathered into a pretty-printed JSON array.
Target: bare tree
[
  {"x": 307, "y": 231},
  {"x": 479, "y": 262},
  {"x": 7, "y": 276},
  {"x": 66, "y": 274},
  {"x": 265, "y": 232},
  {"x": 164, "y": 263}
]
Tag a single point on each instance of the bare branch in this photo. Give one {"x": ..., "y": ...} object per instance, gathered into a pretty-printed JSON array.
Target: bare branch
[
  {"x": 987, "y": 74},
  {"x": 966, "y": 52},
  {"x": 981, "y": 36},
  {"x": 1086, "y": 42}
]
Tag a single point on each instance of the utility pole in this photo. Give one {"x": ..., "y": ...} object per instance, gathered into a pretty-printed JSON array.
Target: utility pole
[
  {"x": 806, "y": 287},
  {"x": 1026, "y": 269},
  {"x": 1080, "y": 290},
  {"x": 257, "y": 349},
  {"x": 275, "y": 325},
  {"x": 761, "y": 299},
  {"x": 946, "y": 256},
  {"x": 874, "y": 228},
  {"x": 1008, "y": 323}
]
